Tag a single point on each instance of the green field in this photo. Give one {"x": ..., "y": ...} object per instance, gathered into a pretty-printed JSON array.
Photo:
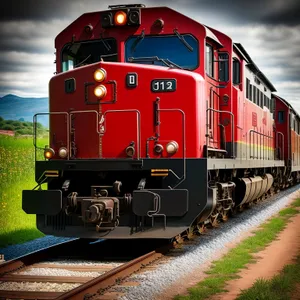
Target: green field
[{"x": 16, "y": 174}]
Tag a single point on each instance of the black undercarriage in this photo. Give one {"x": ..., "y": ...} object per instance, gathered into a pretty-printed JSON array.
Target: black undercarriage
[
  {"x": 147, "y": 198},
  {"x": 119, "y": 198}
]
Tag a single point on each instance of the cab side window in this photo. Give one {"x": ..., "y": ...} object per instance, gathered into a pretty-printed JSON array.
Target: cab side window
[
  {"x": 236, "y": 73},
  {"x": 280, "y": 117},
  {"x": 209, "y": 64},
  {"x": 223, "y": 67}
]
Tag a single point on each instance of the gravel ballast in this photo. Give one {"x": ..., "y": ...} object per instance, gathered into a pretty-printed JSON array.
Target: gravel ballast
[
  {"x": 37, "y": 286},
  {"x": 153, "y": 283},
  {"x": 57, "y": 272}
]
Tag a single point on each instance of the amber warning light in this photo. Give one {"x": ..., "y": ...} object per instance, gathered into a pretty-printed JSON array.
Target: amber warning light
[
  {"x": 120, "y": 18},
  {"x": 49, "y": 153}
]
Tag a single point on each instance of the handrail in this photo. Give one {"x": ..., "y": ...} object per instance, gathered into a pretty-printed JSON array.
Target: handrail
[
  {"x": 261, "y": 135},
  {"x": 232, "y": 128},
  {"x": 34, "y": 130},
  {"x": 212, "y": 93},
  {"x": 80, "y": 112},
  {"x": 182, "y": 178},
  {"x": 277, "y": 133},
  {"x": 138, "y": 138},
  {"x": 87, "y": 111}
]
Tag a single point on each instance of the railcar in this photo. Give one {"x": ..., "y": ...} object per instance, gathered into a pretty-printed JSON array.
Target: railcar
[
  {"x": 158, "y": 124},
  {"x": 288, "y": 137}
]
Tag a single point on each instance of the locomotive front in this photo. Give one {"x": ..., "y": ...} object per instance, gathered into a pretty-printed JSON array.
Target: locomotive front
[{"x": 127, "y": 116}]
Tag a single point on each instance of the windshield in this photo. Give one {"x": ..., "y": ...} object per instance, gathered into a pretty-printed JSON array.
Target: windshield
[
  {"x": 84, "y": 53},
  {"x": 165, "y": 47}
]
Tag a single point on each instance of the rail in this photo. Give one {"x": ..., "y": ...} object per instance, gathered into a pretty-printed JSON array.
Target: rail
[
  {"x": 35, "y": 130},
  {"x": 212, "y": 93},
  {"x": 261, "y": 136},
  {"x": 282, "y": 144},
  {"x": 182, "y": 178},
  {"x": 138, "y": 137},
  {"x": 11, "y": 271},
  {"x": 208, "y": 127},
  {"x": 70, "y": 130},
  {"x": 98, "y": 284}
]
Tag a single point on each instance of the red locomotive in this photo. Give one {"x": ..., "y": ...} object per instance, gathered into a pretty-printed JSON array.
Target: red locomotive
[{"x": 157, "y": 124}]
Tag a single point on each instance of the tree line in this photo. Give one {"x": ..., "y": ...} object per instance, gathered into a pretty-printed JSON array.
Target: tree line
[{"x": 21, "y": 127}]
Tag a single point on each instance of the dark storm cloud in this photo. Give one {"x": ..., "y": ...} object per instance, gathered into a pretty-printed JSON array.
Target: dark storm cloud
[
  {"x": 29, "y": 36},
  {"x": 43, "y": 10},
  {"x": 279, "y": 50},
  {"x": 34, "y": 9},
  {"x": 242, "y": 11},
  {"x": 267, "y": 12},
  {"x": 269, "y": 31},
  {"x": 14, "y": 61},
  {"x": 288, "y": 15},
  {"x": 238, "y": 11},
  {"x": 25, "y": 45}
]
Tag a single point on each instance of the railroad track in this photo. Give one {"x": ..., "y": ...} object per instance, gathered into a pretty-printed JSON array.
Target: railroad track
[
  {"x": 83, "y": 279},
  {"x": 35, "y": 277}
]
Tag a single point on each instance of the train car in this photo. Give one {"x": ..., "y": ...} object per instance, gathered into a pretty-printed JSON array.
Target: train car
[
  {"x": 158, "y": 125},
  {"x": 287, "y": 138}
]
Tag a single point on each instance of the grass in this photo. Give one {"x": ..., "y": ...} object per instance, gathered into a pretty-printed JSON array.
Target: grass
[
  {"x": 280, "y": 287},
  {"x": 236, "y": 259},
  {"x": 16, "y": 174},
  {"x": 296, "y": 203},
  {"x": 288, "y": 211}
]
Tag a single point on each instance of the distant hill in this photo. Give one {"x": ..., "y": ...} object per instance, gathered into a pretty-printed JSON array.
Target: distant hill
[{"x": 13, "y": 107}]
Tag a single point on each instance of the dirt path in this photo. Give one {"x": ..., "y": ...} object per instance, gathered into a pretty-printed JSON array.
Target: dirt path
[
  {"x": 269, "y": 262},
  {"x": 296, "y": 293}
]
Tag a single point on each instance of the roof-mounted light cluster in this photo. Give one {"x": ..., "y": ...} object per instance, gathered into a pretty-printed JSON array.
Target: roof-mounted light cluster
[{"x": 121, "y": 15}]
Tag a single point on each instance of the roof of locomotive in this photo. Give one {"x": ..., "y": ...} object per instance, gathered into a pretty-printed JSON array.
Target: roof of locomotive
[
  {"x": 253, "y": 67},
  {"x": 287, "y": 104},
  {"x": 120, "y": 7}
]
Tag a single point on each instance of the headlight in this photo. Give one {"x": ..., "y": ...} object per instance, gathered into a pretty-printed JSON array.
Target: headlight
[
  {"x": 100, "y": 75},
  {"x": 130, "y": 151},
  {"x": 172, "y": 147},
  {"x": 63, "y": 152},
  {"x": 158, "y": 148},
  {"x": 49, "y": 153},
  {"x": 120, "y": 18},
  {"x": 100, "y": 91}
]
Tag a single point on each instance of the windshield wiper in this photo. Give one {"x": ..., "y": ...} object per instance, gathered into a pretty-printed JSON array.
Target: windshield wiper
[
  {"x": 107, "y": 55},
  {"x": 138, "y": 40},
  {"x": 83, "y": 61},
  {"x": 106, "y": 45},
  {"x": 172, "y": 64},
  {"x": 166, "y": 61},
  {"x": 184, "y": 42}
]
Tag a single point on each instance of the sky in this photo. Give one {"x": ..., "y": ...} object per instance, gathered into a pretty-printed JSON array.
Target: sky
[{"x": 269, "y": 30}]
